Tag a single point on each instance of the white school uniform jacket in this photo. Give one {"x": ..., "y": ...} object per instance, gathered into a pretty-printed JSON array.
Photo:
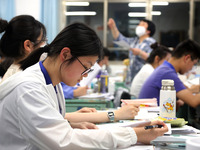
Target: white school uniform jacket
[{"x": 30, "y": 118}]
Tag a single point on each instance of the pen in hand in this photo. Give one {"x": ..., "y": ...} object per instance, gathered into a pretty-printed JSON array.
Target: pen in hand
[{"x": 153, "y": 126}]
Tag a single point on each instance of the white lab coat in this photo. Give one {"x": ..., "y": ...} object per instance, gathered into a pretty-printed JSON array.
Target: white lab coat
[{"x": 30, "y": 118}]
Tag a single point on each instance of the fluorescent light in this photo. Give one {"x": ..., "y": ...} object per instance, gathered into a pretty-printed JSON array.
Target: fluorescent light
[
  {"x": 160, "y": 3},
  {"x": 137, "y": 14},
  {"x": 80, "y": 13},
  {"x": 145, "y": 4},
  {"x": 137, "y": 4},
  {"x": 77, "y": 3},
  {"x": 156, "y": 13}
]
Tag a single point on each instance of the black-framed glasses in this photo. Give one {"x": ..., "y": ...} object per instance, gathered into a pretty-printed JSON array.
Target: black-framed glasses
[{"x": 87, "y": 70}]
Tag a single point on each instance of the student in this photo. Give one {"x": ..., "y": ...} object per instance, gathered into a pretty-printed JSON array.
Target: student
[
  {"x": 76, "y": 91},
  {"x": 27, "y": 38},
  {"x": 22, "y": 35},
  {"x": 33, "y": 106},
  {"x": 155, "y": 59},
  {"x": 184, "y": 57},
  {"x": 140, "y": 45}
]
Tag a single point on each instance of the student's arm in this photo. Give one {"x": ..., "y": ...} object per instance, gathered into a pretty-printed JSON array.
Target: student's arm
[
  {"x": 83, "y": 125},
  {"x": 141, "y": 53},
  {"x": 80, "y": 91},
  {"x": 188, "y": 97},
  {"x": 113, "y": 28},
  {"x": 125, "y": 112},
  {"x": 195, "y": 88}
]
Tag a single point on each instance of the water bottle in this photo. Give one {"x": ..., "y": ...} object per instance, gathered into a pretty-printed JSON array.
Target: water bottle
[
  {"x": 168, "y": 99},
  {"x": 104, "y": 82}
]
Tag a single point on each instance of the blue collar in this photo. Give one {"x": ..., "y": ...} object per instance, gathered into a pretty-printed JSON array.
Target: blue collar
[
  {"x": 166, "y": 63},
  {"x": 48, "y": 80},
  {"x": 45, "y": 73}
]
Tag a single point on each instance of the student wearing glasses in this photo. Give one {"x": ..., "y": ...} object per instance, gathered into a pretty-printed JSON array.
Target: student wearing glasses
[
  {"x": 71, "y": 92},
  {"x": 33, "y": 106},
  {"x": 23, "y": 34},
  {"x": 76, "y": 91}
]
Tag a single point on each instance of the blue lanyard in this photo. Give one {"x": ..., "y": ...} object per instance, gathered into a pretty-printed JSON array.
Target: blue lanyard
[
  {"x": 48, "y": 80},
  {"x": 166, "y": 63}
]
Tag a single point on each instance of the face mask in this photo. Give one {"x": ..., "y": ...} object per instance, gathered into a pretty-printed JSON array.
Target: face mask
[{"x": 140, "y": 31}]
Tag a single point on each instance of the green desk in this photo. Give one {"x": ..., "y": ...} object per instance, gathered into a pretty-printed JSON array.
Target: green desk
[{"x": 76, "y": 104}]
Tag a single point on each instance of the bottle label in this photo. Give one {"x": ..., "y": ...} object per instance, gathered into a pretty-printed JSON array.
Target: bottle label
[
  {"x": 168, "y": 104},
  {"x": 104, "y": 84}
]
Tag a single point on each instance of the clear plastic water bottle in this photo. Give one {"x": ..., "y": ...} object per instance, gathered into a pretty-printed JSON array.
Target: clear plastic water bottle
[
  {"x": 104, "y": 80},
  {"x": 168, "y": 99}
]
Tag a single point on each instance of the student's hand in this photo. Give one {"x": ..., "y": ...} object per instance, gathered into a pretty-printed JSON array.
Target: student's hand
[
  {"x": 83, "y": 125},
  {"x": 145, "y": 136},
  {"x": 111, "y": 23},
  {"x": 136, "y": 51},
  {"x": 195, "y": 88},
  {"x": 86, "y": 110},
  {"x": 128, "y": 111},
  {"x": 80, "y": 91}
]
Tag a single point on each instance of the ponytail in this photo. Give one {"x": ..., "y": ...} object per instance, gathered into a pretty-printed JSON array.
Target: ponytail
[
  {"x": 3, "y": 25},
  {"x": 33, "y": 58},
  {"x": 158, "y": 50}
]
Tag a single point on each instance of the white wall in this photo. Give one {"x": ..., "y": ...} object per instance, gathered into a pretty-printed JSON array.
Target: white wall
[{"x": 28, "y": 7}]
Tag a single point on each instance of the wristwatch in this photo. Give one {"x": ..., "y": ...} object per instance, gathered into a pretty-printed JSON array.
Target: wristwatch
[{"x": 111, "y": 116}]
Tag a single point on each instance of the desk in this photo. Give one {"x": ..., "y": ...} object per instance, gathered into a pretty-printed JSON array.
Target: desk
[
  {"x": 185, "y": 132},
  {"x": 76, "y": 104}
]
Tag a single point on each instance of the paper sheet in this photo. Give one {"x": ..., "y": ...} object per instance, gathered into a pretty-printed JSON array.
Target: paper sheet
[
  {"x": 122, "y": 44},
  {"x": 86, "y": 81},
  {"x": 128, "y": 123}
]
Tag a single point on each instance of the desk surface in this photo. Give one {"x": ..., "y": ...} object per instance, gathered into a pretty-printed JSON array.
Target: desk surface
[{"x": 177, "y": 133}]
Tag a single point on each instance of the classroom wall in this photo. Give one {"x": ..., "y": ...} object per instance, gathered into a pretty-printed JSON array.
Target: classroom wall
[{"x": 30, "y": 7}]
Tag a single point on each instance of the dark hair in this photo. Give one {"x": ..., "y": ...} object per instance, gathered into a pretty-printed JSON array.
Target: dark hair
[
  {"x": 106, "y": 52},
  {"x": 187, "y": 47},
  {"x": 82, "y": 41},
  {"x": 19, "y": 29},
  {"x": 3, "y": 25},
  {"x": 4, "y": 65},
  {"x": 158, "y": 50},
  {"x": 151, "y": 26}
]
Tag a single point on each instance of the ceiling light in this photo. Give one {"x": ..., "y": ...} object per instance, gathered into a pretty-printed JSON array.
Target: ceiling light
[
  {"x": 156, "y": 13},
  {"x": 80, "y": 13},
  {"x": 77, "y": 3},
  {"x": 137, "y": 4},
  {"x": 145, "y": 4},
  {"x": 160, "y": 3},
  {"x": 137, "y": 14}
]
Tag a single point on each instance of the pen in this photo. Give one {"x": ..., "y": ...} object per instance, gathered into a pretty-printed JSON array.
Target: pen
[{"x": 153, "y": 126}]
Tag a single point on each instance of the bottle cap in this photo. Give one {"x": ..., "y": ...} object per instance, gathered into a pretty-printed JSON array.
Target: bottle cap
[{"x": 167, "y": 82}]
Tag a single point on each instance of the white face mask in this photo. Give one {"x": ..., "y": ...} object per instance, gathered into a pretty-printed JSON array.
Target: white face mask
[{"x": 140, "y": 31}]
